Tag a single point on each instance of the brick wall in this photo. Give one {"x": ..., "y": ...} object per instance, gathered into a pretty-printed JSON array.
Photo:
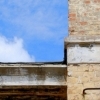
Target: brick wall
[
  {"x": 80, "y": 77},
  {"x": 83, "y": 46},
  {"x": 84, "y": 17}
]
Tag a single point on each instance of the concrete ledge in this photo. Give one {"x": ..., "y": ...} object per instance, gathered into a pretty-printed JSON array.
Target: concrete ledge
[
  {"x": 82, "y": 39},
  {"x": 83, "y": 49},
  {"x": 30, "y": 64},
  {"x": 24, "y": 74}
]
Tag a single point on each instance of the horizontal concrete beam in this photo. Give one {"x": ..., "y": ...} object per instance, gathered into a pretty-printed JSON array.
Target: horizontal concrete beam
[
  {"x": 83, "y": 49},
  {"x": 31, "y": 74},
  {"x": 82, "y": 39}
]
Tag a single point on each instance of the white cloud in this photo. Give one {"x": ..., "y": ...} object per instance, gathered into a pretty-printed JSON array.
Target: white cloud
[{"x": 13, "y": 51}]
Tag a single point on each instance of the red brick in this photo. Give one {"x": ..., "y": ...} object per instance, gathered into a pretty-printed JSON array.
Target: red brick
[
  {"x": 83, "y": 23},
  {"x": 72, "y": 19},
  {"x": 87, "y": 1},
  {"x": 96, "y": 1},
  {"x": 82, "y": 32},
  {"x": 98, "y": 9},
  {"x": 72, "y": 15}
]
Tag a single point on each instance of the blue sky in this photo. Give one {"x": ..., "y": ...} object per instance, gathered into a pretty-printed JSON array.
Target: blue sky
[{"x": 32, "y": 30}]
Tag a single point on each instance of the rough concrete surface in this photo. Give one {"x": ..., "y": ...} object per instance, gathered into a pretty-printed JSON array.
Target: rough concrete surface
[
  {"x": 30, "y": 81},
  {"x": 24, "y": 74}
]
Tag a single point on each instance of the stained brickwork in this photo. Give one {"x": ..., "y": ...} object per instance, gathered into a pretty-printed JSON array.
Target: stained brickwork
[
  {"x": 83, "y": 76},
  {"x": 84, "y": 17}
]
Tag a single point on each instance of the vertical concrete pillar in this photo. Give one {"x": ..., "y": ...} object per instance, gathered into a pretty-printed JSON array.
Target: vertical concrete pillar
[{"x": 83, "y": 50}]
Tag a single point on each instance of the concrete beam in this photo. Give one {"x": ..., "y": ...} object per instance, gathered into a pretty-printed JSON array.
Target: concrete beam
[
  {"x": 83, "y": 49},
  {"x": 73, "y": 39},
  {"x": 32, "y": 74}
]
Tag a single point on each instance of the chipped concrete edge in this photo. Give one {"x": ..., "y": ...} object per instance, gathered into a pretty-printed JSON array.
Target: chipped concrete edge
[
  {"x": 31, "y": 65},
  {"x": 78, "y": 44},
  {"x": 72, "y": 39}
]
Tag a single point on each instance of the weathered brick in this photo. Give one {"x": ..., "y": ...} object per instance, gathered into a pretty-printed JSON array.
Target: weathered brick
[
  {"x": 87, "y": 1},
  {"x": 75, "y": 97},
  {"x": 75, "y": 90},
  {"x": 89, "y": 85},
  {"x": 72, "y": 80},
  {"x": 72, "y": 15},
  {"x": 97, "y": 73},
  {"x": 96, "y": 1},
  {"x": 91, "y": 97},
  {"x": 72, "y": 19},
  {"x": 91, "y": 68},
  {"x": 97, "y": 84},
  {"x": 72, "y": 68},
  {"x": 83, "y": 68},
  {"x": 84, "y": 19},
  {"x": 83, "y": 23},
  {"x": 84, "y": 12},
  {"x": 77, "y": 74}
]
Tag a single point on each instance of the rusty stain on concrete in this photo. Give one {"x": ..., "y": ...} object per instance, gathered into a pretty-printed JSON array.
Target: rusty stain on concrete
[
  {"x": 33, "y": 93},
  {"x": 30, "y": 81}
]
